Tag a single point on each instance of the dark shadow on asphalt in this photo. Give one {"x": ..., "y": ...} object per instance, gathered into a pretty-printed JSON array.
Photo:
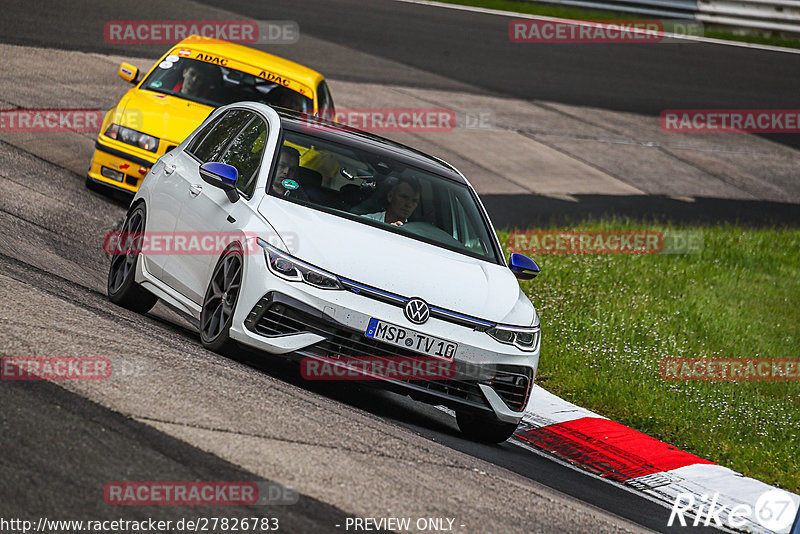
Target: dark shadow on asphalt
[
  {"x": 440, "y": 427},
  {"x": 115, "y": 196},
  {"x": 357, "y": 394},
  {"x": 60, "y": 450}
]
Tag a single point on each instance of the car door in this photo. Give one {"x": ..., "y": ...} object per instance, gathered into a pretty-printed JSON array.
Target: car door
[
  {"x": 208, "y": 211},
  {"x": 166, "y": 193},
  {"x": 169, "y": 191}
]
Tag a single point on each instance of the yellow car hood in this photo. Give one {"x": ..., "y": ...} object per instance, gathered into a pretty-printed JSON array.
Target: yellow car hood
[{"x": 167, "y": 117}]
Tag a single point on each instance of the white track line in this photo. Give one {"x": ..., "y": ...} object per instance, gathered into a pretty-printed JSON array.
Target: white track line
[{"x": 498, "y": 12}]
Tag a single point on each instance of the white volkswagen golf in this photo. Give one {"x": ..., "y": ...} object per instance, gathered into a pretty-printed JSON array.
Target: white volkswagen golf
[{"x": 346, "y": 245}]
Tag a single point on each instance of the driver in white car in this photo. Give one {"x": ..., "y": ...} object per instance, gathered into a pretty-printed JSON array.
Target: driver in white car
[
  {"x": 401, "y": 201},
  {"x": 284, "y": 183}
]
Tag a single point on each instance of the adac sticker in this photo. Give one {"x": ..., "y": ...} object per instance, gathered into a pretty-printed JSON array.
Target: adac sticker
[
  {"x": 208, "y": 58},
  {"x": 284, "y": 81},
  {"x": 290, "y": 184}
]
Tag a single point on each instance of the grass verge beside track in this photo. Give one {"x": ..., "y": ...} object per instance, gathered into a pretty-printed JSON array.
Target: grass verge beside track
[
  {"x": 609, "y": 319},
  {"x": 567, "y": 12}
]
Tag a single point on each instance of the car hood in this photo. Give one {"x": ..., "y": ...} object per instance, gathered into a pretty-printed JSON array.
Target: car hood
[
  {"x": 399, "y": 264},
  {"x": 167, "y": 117}
]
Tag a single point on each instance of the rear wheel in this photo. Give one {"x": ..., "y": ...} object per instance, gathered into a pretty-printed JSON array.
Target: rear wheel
[
  {"x": 219, "y": 302},
  {"x": 122, "y": 288},
  {"x": 484, "y": 428}
]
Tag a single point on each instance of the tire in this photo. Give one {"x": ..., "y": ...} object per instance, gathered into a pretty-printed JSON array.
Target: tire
[
  {"x": 121, "y": 286},
  {"x": 484, "y": 428},
  {"x": 219, "y": 302}
]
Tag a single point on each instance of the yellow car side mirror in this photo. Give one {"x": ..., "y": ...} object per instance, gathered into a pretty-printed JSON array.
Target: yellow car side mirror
[{"x": 128, "y": 72}]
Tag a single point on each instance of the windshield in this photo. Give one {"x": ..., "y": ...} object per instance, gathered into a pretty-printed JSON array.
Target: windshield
[
  {"x": 373, "y": 189},
  {"x": 216, "y": 85}
]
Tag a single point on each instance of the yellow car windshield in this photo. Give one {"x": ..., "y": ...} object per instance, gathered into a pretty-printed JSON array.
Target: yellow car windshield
[{"x": 215, "y": 85}]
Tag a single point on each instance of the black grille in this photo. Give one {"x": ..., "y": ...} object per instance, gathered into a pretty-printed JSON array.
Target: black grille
[{"x": 512, "y": 383}]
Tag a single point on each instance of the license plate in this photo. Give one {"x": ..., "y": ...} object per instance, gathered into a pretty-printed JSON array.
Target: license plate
[{"x": 409, "y": 339}]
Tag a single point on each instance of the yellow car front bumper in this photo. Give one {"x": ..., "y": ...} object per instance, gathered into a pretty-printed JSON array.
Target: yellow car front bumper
[{"x": 116, "y": 168}]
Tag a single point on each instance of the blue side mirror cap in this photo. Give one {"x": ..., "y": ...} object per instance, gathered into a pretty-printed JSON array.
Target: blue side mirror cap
[
  {"x": 223, "y": 171},
  {"x": 522, "y": 266}
]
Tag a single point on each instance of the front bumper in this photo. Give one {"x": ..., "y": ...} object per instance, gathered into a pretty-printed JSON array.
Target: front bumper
[
  {"x": 109, "y": 161},
  {"x": 304, "y": 322}
]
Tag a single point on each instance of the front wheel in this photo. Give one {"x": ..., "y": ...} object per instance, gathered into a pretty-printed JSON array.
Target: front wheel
[
  {"x": 220, "y": 300},
  {"x": 484, "y": 428},
  {"x": 122, "y": 287}
]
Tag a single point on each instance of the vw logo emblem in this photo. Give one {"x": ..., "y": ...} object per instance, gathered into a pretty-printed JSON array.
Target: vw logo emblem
[{"x": 417, "y": 311}]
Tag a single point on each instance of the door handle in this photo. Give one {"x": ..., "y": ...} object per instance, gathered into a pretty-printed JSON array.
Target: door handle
[
  {"x": 195, "y": 189},
  {"x": 169, "y": 169}
]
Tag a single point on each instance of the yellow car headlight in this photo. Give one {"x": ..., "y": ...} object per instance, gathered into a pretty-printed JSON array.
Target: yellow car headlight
[{"x": 132, "y": 137}]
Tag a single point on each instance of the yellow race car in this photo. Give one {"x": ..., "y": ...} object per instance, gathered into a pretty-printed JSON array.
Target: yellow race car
[{"x": 191, "y": 80}]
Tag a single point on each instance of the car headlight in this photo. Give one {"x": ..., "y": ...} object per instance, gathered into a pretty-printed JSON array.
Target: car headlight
[
  {"x": 290, "y": 268},
  {"x": 132, "y": 137},
  {"x": 524, "y": 338}
]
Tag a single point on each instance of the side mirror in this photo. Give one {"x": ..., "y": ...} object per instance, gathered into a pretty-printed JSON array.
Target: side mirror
[
  {"x": 128, "y": 72},
  {"x": 522, "y": 266},
  {"x": 221, "y": 175}
]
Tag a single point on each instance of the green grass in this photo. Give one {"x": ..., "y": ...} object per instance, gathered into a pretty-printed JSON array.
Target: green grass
[
  {"x": 608, "y": 320},
  {"x": 566, "y": 12}
]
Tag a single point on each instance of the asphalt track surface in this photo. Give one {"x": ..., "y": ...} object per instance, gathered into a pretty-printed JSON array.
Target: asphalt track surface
[{"x": 57, "y": 445}]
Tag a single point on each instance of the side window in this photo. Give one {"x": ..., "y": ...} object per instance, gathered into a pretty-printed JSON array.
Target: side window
[
  {"x": 192, "y": 148},
  {"x": 212, "y": 145},
  {"x": 324, "y": 98},
  {"x": 245, "y": 153}
]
